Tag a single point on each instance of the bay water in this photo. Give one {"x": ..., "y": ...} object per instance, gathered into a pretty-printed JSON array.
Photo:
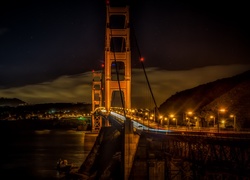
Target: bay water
[{"x": 34, "y": 154}]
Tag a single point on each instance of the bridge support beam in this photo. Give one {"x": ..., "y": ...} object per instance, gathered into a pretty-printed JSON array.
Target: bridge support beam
[
  {"x": 130, "y": 146},
  {"x": 96, "y": 101},
  {"x": 118, "y": 74},
  {"x": 117, "y": 56}
]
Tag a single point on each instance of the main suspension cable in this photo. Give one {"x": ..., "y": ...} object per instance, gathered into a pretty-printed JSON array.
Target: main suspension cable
[{"x": 143, "y": 67}]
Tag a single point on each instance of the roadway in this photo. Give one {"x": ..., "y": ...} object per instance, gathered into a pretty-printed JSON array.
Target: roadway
[{"x": 153, "y": 127}]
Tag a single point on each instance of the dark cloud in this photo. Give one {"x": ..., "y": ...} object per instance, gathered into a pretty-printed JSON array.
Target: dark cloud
[
  {"x": 43, "y": 44},
  {"x": 77, "y": 88}
]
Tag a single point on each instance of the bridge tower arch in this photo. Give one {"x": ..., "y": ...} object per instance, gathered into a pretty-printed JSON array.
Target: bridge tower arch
[{"x": 117, "y": 55}]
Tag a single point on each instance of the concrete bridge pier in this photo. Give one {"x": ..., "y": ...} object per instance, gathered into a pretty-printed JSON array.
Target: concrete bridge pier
[{"x": 130, "y": 146}]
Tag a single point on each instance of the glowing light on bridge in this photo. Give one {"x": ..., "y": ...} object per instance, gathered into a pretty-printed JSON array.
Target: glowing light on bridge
[
  {"x": 222, "y": 110},
  {"x": 142, "y": 59}
]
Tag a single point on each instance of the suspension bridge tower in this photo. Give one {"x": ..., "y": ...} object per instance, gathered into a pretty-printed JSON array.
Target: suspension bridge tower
[
  {"x": 118, "y": 74},
  {"x": 97, "y": 100},
  {"x": 117, "y": 56}
]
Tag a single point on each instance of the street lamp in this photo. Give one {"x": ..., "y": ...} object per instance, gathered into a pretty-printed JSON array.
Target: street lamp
[
  {"x": 218, "y": 121},
  {"x": 189, "y": 113},
  {"x": 223, "y": 123},
  {"x": 197, "y": 123},
  {"x": 165, "y": 119},
  {"x": 213, "y": 117},
  {"x": 234, "y": 117},
  {"x": 147, "y": 115},
  {"x": 171, "y": 117},
  {"x": 152, "y": 117},
  {"x": 161, "y": 118},
  {"x": 174, "y": 119}
]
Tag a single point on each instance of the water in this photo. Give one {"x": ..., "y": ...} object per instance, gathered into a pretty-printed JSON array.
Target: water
[{"x": 33, "y": 154}]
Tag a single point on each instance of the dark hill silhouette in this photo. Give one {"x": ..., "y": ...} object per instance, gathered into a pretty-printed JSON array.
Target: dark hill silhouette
[
  {"x": 231, "y": 93},
  {"x": 11, "y": 102}
]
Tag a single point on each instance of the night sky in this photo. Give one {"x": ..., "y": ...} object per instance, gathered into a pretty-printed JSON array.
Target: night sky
[{"x": 49, "y": 48}]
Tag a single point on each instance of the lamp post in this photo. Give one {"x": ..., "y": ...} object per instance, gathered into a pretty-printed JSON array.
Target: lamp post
[
  {"x": 143, "y": 118},
  {"x": 174, "y": 119},
  {"x": 213, "y": 117},
  {"x": 171, "y": 116},
  {"x": 234, "y": 117},
  {"x": 189, "y": 113},
  {"x": 153, "y": 117},
  {"x": 218, "y": 126},
  {"x": 184, "y": 117},
  {"x": 223, "y": 123},
  {"x": 161, "y": 119},
  {"x": 166, "y": 119},
  {"x": 147, "y": 115},
  {"x": 218, "y": 123}
]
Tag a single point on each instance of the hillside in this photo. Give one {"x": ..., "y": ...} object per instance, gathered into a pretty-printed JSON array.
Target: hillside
[
  {"x": 205, "y": 100},
  {"x": 11, "y": 102}
]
